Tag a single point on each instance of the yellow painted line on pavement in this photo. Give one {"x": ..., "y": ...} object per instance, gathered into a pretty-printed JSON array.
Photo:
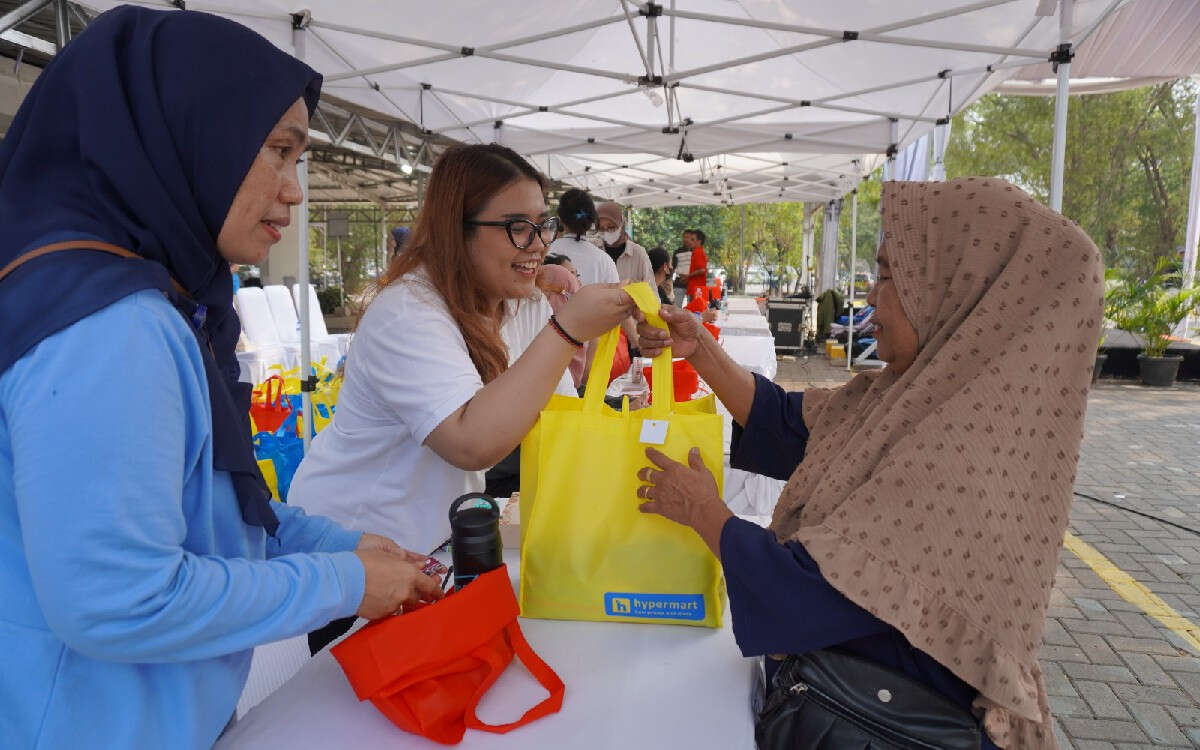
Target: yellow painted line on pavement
[{"x": 1134, "y": 592}]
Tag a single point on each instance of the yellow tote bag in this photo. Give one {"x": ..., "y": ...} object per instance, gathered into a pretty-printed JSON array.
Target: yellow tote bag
[{"x": 587, "y": 552}]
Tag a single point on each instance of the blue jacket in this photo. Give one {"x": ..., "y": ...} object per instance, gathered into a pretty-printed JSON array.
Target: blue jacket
[{"x": 132, "y": 590}]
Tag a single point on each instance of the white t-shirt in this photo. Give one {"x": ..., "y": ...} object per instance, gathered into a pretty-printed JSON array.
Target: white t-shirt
[
  {"x": 408, "y": 370},
  {"x": 593, "y": 264}
]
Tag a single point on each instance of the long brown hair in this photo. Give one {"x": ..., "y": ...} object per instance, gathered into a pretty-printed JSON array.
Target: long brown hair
[{"x": 463, "y": 180}]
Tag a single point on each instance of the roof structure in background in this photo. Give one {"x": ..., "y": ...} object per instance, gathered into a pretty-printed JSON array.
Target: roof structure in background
[
  {"x": 1143, "y": 43},
  {"x": 679, "y": 102}
]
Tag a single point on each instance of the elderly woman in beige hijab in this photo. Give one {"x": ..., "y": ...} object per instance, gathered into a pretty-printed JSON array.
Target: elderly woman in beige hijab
[{"x": 909, "y": 563}]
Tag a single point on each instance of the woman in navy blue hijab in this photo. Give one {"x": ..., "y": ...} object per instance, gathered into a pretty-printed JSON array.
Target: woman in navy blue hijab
[{"x": 140, "y": 557}]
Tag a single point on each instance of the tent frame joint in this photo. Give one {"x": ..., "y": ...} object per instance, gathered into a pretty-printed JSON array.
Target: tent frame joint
[
  {"x": 1063, "y": 54},
  {"x": 651, "y": 10},
  {"x": 849, "y": 36},
  {"x": 300, "y": 19}
]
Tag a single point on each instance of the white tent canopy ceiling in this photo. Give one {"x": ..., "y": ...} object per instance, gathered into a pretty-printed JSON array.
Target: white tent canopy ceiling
[
  {"x": 679, "y": 102},
  {"x": 1143, "y": 43}
]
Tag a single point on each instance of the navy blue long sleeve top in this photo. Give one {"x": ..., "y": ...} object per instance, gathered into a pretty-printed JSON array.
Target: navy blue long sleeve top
[{"x": 778, "y": 598}]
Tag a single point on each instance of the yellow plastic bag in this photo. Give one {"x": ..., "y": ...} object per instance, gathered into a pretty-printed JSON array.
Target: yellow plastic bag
[
  {"x": 587, "y": 552},
  {"x": 267, "y": 467}
]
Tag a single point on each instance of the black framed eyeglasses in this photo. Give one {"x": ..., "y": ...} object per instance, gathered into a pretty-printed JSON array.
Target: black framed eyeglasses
[{"x": 521, "y": 231}]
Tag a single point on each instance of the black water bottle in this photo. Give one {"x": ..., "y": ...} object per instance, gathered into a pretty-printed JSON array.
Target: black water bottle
[{"x": 475, "y": 543}]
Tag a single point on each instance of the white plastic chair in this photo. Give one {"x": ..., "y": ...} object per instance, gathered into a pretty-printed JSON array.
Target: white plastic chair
[
  {"x": 316, "y": 323},
  {"x": 257, "y": 321},
  {"x": 287, "y": 325}
]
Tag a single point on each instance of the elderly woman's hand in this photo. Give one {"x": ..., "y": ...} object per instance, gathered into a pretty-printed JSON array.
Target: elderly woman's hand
[
  {"x": 686, "y": 494},
  {"x": 683, "y": 333}
]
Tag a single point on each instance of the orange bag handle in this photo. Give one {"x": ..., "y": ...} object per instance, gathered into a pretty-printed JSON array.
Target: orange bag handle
[
  {"x": 540, "y": 670},
  {"x": 272, "y": 399}
]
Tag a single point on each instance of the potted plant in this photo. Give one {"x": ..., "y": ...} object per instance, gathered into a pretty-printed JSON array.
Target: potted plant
[{"x": 1151, "y": 308}]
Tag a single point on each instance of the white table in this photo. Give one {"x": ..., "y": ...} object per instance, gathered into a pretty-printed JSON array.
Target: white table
[
  {"x": 742, "y": 305},
  {"x": 755, "y": 353},
  {"x": 753, "y": 321},
  {"x": 628, "y": 686}
]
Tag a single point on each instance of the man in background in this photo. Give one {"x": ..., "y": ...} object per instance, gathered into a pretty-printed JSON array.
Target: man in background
[
  {"x": 681, "y": 261},
  {"x": 697, "y": 274}
]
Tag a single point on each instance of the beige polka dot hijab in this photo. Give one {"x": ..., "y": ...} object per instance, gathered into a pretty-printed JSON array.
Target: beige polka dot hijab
[{"x": 937, "y": 500}]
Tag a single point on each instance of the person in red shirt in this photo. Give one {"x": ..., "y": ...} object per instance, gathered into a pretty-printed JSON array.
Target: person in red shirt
[{"x": 697, "y": 278}]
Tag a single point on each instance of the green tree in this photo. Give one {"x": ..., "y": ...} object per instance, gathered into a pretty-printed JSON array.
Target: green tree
[
  {"x": 663, "y": 227},
  {"x": 1126, "y": 166},
  {"x": 362, "y": 257}
]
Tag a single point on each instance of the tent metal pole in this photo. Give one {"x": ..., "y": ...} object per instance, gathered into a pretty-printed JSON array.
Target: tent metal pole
[
  {"x": 853, "y": 253},
  {"x": 307, "y": 381},
  {"x": 636, "y": 39},
  {"x": 806, "y": 252},
  {"x": 1193, "y": 221},
  {"x": 20, "y": 14},
  {"x": 889, "y": 166},
  {"x": 383, "y": 237},
  {"x": 454, "y": 50},
  {"x": 672, "y": 24},
  {"x": 742, "y": 267},
  {"x": 62, "y": 24},
  {"x": 1058, "y": 157},
  {"x": 341, "y": 272},
  {"x": 941, "y": 134}
]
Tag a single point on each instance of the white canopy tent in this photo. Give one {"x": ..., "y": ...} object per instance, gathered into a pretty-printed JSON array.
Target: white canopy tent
[
  {"x": 652, "y": 104},
  {"x": 691, "y": 101}
]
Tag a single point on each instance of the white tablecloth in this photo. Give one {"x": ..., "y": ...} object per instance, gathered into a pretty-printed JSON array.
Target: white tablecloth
[
  {"x": 753, "y": 321},
  {"x": 628, "y": 686},
  {"x": 742, "y": 305},
  {"x": 755, "y": 353}
]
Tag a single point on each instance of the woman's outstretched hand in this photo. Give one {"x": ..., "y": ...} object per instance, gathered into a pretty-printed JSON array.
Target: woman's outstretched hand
[
  {"x": 595, "y": 309},
  {"x": 686, "y": 494},
  {"x": 682, "y": 335}
]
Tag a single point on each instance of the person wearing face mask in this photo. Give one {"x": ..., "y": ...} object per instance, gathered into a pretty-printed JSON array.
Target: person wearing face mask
[
  {"x": 577, "y": 215},
  {"x": 633, "y": 264},
  {"x": 143, "y": 558},
  {"x": 454, "y": 358},
  {"x": 660, "y": 262}
]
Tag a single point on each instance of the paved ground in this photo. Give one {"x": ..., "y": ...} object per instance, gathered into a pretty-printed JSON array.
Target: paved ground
[{"x": 1117, "y": 677}]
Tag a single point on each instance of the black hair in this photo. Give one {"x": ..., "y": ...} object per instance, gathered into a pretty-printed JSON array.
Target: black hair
[
  {"x": 554, "y": 259},
  {"x": 699, "y": 235},
  {"x": 658, "y": 258},
  {"x": 576, "y": 211}
]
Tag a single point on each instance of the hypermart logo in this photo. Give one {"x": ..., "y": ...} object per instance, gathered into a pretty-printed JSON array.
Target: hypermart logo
[{"x": 655, "y": 606}]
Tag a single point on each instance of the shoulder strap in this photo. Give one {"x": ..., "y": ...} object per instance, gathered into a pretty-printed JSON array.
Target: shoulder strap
[{"x": 104, "y": 247}]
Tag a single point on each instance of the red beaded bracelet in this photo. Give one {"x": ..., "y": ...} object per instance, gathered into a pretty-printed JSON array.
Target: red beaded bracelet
[{"x": 562, "y": 332}]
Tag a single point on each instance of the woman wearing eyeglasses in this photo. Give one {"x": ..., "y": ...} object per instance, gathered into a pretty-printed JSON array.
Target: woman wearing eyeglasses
[{"x": 454, "y": 358}]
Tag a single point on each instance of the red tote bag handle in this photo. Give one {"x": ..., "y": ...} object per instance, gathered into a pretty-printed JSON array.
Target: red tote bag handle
[
  {"x": 272, "y": 398},
  {"x": 538, "y": 668}
]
